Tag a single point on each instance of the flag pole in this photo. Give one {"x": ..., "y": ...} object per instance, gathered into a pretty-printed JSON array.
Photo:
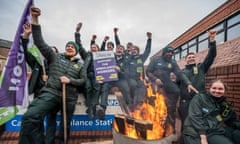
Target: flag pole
[{"x": 64, "y": 112}]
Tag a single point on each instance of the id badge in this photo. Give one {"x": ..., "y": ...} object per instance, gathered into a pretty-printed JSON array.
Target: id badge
[
  {"x": 195, "y": 70},
  {"x": 219, "y": 118},
  {"x": 139, "y": 69}
]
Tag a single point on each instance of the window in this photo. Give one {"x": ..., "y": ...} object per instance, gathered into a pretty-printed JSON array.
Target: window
[
  {"x": 192, "y": 49},
  {"x": 192, "y": 42},
  {"x": 184, "y": 46},
  {"x": 203, "y": 45},
  {"x": 220, "y": 37},
  {"x": 219, "y": 27},
  {"x": 233, "y": 20},
  {"x": 177, "y": 53},
  {"x": 203, "y": 36},
  {"x": 226, "y": 30},
  {"x": 184, "y": 53},
  {"x": 183, "y": 50},
  {"x": 176, "y": 56},
  {"x": 233, "y": 32}
]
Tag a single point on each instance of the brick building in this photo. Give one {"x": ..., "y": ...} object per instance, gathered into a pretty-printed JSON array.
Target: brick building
[
  {"x": 4, "y": 49},
  {"x": 226, "y": 20}
]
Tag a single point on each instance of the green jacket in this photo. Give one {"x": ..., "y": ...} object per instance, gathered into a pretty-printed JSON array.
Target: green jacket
[
  {"x": 136, "y": 62},
  {"x": 59, "y": 65},
  {"x": 228, "y": 114},
  {"x": 196, "y": 73},
  {"x": 160, "y": 68},
  {"x": 203, "y": 116}
]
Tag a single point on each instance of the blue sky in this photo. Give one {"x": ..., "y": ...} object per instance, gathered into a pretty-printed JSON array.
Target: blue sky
[{"x": 165, "y": 19}]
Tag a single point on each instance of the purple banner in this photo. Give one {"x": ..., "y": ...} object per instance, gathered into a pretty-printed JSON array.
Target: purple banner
[
  {"x": 104, "y": 66},
  {"x": 14, "y": 76}
]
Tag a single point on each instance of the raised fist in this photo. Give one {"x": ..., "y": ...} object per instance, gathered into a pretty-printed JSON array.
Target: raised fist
[
  {"x": 79, "y": 25},
  {"x": 149, "y": 34},
  {"x": 35, "y": 12},
  {"x": 106, "y": 38},
  {"x": 94, "y": 37},
  {"x": 115, "y": 30}
]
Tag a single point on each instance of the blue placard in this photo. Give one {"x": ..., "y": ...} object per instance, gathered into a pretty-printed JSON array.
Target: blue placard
[{"x": 79, "y": 122}]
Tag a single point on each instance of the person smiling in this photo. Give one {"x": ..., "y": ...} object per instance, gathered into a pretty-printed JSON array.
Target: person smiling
[
  {"x": 64, "y": 69},
  {"x": 211, "y": 119}
]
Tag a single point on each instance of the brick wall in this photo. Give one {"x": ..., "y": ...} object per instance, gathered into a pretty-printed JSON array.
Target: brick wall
[{"x": 231, "y": 76}]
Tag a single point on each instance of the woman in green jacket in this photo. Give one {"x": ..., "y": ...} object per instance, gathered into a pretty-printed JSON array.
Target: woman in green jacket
[{"x": 211, "y": 120}]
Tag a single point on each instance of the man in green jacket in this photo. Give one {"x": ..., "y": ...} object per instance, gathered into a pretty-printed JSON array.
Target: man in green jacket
[
  {"x": 63, "y": 69},
  {"x": 196, "y": 74},
  {"x": 95, "y": 92},
  {"x": 136, "y": 74},
  {"x": 37, "y": 80}
]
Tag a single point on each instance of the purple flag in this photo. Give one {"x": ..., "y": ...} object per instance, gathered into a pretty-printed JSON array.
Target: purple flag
[{"x": 13, "y": 80}]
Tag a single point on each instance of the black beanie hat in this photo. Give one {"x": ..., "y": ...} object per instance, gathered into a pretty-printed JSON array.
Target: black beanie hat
[
  {"x": 75, "y": 46},
  {"x": 111, "y": 43},
  {"x": 167, "y": 49}
]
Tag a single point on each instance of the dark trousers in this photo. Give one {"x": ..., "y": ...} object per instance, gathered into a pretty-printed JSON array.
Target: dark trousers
[
  {"x": 138, "y": 92},
  {"x": 51, "y": 127},
  {"x": 213, "y": 139},
  {"x": 183, "y": 110},
  {"x": 123, "y": 87},
  {"x": 171, "y": 92},
  {"x": 233, "y": 134},
  {"x": 103, "y": 95},
  {"x": 98, "y": 95},
  {"x": 92, "y": 92},
  {"x": 31, "y": 121}
]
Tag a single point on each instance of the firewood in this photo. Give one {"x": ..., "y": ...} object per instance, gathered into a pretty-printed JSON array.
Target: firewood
[
  {"x": 120, "y": 121},
  {"x": 141, "y": 127}
]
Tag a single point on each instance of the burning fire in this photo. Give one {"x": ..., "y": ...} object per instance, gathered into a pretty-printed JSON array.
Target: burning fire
[{"x": 152, "y": 111}]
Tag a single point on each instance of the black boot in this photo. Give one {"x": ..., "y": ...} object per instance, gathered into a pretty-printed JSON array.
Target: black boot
[{"x": 101, "y": 112}]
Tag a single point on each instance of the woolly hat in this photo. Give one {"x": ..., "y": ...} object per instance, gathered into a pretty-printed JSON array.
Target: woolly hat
[
  {"x": 74, "y": 45},
  {"x": 167, "y": 49},
  {"x": 111, "y": 43}
]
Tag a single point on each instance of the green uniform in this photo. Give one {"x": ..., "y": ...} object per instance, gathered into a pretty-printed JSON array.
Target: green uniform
[
  {"x": 136, "y": 75},
  {"x": 95, "y": 92},
  {"x": 196, "y": 74},
  {"x": 204, "y": 117},
  {"x": 229, "y": 120},
  {"x": 34, "y": 86},
  {"x": 122, "y": 83},
  {"x": 50, "y": 96},
  {"x": 160, "y": 68}
]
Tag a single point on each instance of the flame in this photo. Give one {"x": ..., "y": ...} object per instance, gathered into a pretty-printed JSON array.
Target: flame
[
  {"x": 153, "y": 110},
  {"x": 115, "y": 126}
]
